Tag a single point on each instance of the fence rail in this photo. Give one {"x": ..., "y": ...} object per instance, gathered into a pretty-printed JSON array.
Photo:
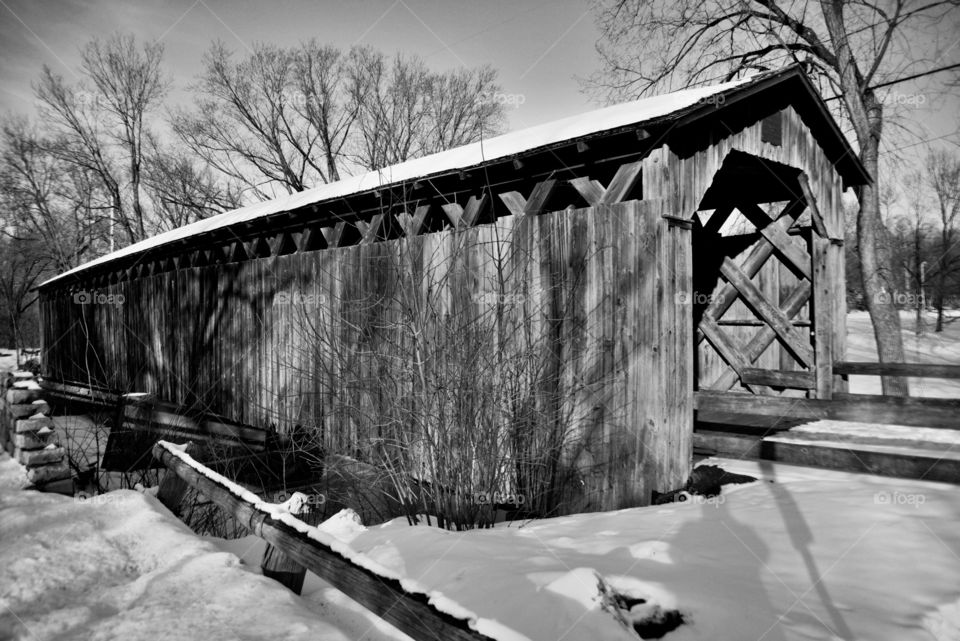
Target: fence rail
[
  {"x": 919, "y": 370},
  {"x": 889, "y": 410},
  {"x": 411, "y": 612}
]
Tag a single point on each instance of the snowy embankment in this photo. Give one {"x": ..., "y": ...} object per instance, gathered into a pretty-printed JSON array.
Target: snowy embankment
[
  {"x": 120, "y": 566},
  {"x": 800, "y": 554}
]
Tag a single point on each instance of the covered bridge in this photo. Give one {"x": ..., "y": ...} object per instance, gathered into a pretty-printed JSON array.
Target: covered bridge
[{"x": 535, "y": 312}]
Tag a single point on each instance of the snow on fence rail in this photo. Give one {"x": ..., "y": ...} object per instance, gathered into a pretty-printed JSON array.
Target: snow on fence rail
[{"x": 403, "y": 602}]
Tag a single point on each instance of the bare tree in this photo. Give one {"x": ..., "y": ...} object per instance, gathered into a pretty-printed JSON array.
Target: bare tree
[
  {"x": 408, "y": 111},
  {"x": 22, "y": 263},
  {"x": 245, "y": 124},
  {"x": 291, "y": 118},
  {"x": 849, "y": 47},
  {"x": 943, "y": 175},
  {"x": 129, "y": 83},
  {"x": 320, "y": 75},
  {"x": 183, "y": 191},
  {"x": 47, "y": 199},
  {"x": 913, "y": 229}
]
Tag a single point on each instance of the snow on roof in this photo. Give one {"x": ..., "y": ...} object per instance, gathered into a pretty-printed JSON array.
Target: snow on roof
[{"x": 504, "y": 146}]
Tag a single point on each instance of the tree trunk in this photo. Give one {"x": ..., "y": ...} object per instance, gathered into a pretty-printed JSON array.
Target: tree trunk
[
  {"x": 942, "y": 276},
  {"x": 875, "y": 262}
]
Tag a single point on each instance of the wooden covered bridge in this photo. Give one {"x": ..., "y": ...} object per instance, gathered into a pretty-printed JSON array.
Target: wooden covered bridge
[{"x": 559, "y": 294}]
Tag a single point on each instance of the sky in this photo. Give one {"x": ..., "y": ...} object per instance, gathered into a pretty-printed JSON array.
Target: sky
[
  {"x": 537, "y": 47},
  {"x": 540, "y": 48}
]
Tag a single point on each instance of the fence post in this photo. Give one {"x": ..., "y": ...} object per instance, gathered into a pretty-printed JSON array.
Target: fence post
[{"x": 282, "y": 568}]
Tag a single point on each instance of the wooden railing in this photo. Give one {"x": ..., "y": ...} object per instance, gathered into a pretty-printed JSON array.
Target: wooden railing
[
  {"x": 918, "y": 370},
  {"x": 869, "y": 408},
  {"x": 410, "y": 611}
]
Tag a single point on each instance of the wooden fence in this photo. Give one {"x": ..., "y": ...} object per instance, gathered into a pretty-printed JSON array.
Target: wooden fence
[
  {"x": 868, "y": 408},
  {"x": 410, "y": 611}
]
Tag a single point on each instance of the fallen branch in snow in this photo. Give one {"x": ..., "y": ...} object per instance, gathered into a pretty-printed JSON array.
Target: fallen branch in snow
[{"x": 401, "y": 601}]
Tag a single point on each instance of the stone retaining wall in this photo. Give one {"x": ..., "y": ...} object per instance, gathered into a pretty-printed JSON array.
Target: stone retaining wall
[{"x": 27, "y": 432}]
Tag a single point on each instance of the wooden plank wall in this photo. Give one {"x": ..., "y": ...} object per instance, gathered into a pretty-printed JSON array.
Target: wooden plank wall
[{"x": 574, "y": 309}]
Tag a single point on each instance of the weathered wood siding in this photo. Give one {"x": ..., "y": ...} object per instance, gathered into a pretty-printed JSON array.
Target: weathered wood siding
[{"x": 307, "y": 338}]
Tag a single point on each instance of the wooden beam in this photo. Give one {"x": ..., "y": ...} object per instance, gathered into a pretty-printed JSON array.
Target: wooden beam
[
  {"x": 454, "y": 214},
  {"x": 777, "y": 320},
  {"x": 514, "y": 201},
  {"x": 334, "y": 235},
  {"x": 282, "y": 244},
  {"x": 723, "y": 298},
  {"x": 463, "y": 217},
  {"x": 591, "y": 190},
  {"x": 258, "y": 248},
  {"x": 822, "y": 313},
  {"x": 237, "y": 252},
  {"x": 412, "y": 224},
  {"x": 312, "y": 239},
  {"x": 623, "y": 183},
  {"x": 919, "y": 370},
  {"x": 795, "y": 257},
  {"x": 539, "y": 197},
  {"x": 475, "y": 207},
  {"x": 753, "y": 322},
  {"x": 370, "y": 229},
  {"x": 818, "y": 223},
  {"x": 777, "y": 378},
  {"x": 887, "y": 410},
  {"x": 411, "y": 612},
  {"x": 728, "y": 348},
  {"x": 845, "y": 456},
  {"x": 762, "y": 340}
]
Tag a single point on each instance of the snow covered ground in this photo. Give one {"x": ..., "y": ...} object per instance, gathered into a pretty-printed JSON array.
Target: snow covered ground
[
  {"x": 119, "y": 566},
  {"x": 800, "y": 554},
  {"x": 930, "y": 347}
]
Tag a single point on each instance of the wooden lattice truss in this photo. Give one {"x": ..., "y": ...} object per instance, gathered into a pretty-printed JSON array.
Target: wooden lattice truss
[{"x": 808, "y": 342}]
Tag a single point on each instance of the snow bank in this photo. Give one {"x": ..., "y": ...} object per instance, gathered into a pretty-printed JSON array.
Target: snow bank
[
  {"x": 119, "y": 566},
  {"x": 800, "y": 554},
  {"x": 328, "y": 538}
]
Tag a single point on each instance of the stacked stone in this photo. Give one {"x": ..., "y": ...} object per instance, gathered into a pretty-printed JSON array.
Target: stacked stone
[{"x": 30, "y": 435}]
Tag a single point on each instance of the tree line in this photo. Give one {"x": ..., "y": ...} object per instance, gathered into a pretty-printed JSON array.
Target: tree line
[
  {"x": 922, "y": 216},
  {"x": 107, "y": 160}
]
